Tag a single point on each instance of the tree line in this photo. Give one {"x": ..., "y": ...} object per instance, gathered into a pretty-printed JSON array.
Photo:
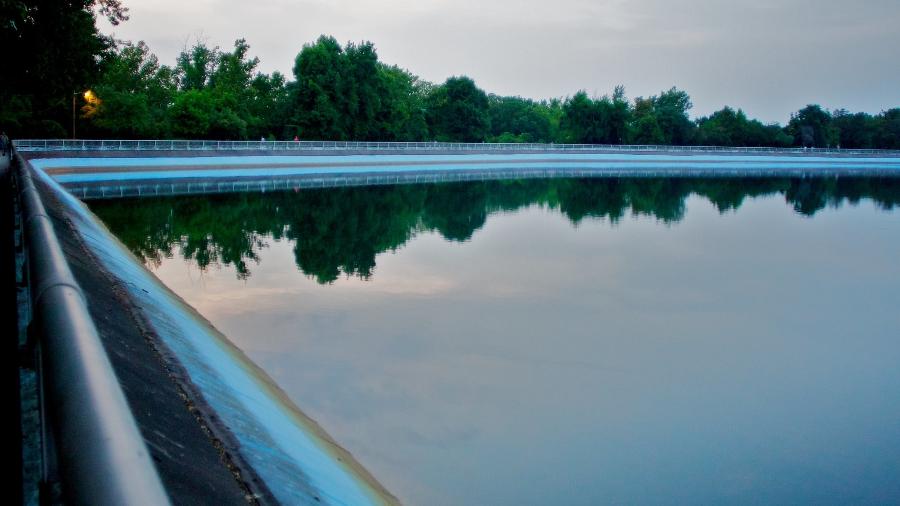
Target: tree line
[{"x": 338, "y": 92}]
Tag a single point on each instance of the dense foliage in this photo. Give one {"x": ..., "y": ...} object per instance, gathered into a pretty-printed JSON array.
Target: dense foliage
[{"x": 55, "y": 52}]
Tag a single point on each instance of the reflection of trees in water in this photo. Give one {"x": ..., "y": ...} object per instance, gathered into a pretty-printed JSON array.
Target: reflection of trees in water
[{"x": 341, "y": 230}]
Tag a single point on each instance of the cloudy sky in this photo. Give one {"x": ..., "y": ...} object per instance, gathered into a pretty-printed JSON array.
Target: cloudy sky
[{"x": 769, "y": 57}]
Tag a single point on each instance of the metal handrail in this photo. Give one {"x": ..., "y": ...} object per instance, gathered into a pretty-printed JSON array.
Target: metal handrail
[
  {"x": 313, "y": 146},
  {"x": 101, "y": 456}
]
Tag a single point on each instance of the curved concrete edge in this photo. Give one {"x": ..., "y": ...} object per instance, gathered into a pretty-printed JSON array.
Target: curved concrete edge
[
  {"x": 296, "y": 459},
  {"x": 101, "y": 456},
  {"x": 195, "y": 458},
  {"x": 92, "y": 177},
  {"x": 98, "y": 178}
]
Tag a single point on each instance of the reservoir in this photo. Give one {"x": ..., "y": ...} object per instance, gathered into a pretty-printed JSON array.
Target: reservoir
[{"x": 566, "y": 341}]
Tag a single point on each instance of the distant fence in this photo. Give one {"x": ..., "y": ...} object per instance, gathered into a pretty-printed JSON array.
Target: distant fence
[{"x": 314, "y": 146}]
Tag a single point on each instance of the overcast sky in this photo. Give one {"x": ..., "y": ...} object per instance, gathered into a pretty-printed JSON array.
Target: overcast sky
[{"x": 769, "y": 57}]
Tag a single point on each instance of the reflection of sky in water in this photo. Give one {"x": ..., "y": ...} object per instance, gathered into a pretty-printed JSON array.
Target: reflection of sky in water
[{"x": 749, "y": 357}]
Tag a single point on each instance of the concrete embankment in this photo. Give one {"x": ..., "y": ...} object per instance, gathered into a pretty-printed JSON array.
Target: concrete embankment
[
  {"x": 117, "y": 174},
  {"x": 195, "y": 460},
  {"x": 219, "y": 430}
]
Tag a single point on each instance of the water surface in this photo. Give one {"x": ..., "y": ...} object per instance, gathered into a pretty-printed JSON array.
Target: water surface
[{"x": 566, "y": 341}]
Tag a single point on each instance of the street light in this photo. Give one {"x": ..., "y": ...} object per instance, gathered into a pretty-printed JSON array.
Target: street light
[{"x": 88, "y": 96}]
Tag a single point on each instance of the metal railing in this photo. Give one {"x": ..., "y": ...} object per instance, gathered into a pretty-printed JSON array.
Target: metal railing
[
  {"x": 89, "y": 429},
  {"x": 31, "y": 145}
]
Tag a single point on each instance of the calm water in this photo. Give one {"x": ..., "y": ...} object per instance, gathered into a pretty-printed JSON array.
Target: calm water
[{"x": 567, "y": 341}]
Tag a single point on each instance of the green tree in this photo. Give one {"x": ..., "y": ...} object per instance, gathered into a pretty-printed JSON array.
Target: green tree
[
  {"x": 362, "y": 92},
  {"x": 135, "y": 93},
  {"x": 223, "y": 97},
  {"x": 317, "y": 101},
  {"x": 191, "y": 114},
  {"x": 458, "y": 111},
  {"x": 645, "y": 127},
  {"x": 596, "y": 121},
  {"x": 231, "y": 86},
  {"x": 620, "y": 116},
  {"x": 662, "y": 119},
  {"x": 811, "y": 127},
  {"x": 671, "y": 109},
  {"x": 402, "y": 117},
  {"x": 516, "y": 119},
  {"x": 194, "y": 66},
  {"x": 584, "y": 120},
  {"x": 268, "y": 102},
  {"x": 887, "y": 135},
  {"x": 52, "y": 50},
  {"x": 728, "y": 127},
  {"x": 855, "y": 131},
  {"x": 725, "y": 127}
]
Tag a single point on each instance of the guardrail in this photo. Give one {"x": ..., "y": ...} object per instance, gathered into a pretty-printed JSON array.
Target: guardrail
[
  {"x": 99, "y": 452},
  {"x": 201, "y": 145}
]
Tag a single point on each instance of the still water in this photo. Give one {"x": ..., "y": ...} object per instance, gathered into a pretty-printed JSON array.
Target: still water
[{"x": 627, "y": 341}]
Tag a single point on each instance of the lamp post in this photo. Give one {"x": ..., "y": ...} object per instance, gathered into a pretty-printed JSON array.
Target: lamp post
[
  {"x": 73, "y": 115},
  {"x": 88, "y": 95}
]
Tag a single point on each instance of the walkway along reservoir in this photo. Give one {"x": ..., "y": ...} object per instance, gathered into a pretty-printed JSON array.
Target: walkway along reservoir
[
  {"x": 228, "y": 411},
  {"x": 122, "y": 168}
]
